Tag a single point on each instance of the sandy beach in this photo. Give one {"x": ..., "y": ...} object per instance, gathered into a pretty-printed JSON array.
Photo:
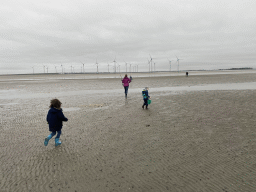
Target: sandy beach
[{"x": 198, "y": 134}]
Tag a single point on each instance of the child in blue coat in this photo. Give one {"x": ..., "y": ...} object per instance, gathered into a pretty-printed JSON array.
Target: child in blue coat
[
  {"x": 145, "y": 97},
  {"x": 54, "y": 119}
]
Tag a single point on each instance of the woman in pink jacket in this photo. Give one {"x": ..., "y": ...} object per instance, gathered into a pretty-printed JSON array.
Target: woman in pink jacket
[{"x": 126, "y": 82}]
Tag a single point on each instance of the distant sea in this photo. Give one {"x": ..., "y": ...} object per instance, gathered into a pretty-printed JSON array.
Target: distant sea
[{"x": 141, "y": 69}]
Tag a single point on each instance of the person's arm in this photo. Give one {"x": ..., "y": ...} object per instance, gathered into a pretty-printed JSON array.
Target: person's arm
[
  {"x": 147, "y": 94},
  {"x": 47, "y": 118},
  {"x": 62, "y": 117}
]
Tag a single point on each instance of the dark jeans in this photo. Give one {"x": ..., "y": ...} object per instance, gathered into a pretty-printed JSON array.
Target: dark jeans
[
  {"x": 126, "y": 89},
  {"x": 145, "y": 102},
  {"x": 54, "y": 133}
]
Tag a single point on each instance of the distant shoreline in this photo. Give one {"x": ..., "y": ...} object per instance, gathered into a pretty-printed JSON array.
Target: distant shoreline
[{"x": 93, "y": 73}]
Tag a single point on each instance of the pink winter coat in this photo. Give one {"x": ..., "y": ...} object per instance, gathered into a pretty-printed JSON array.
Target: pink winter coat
[{"x": 126, "y": 81}]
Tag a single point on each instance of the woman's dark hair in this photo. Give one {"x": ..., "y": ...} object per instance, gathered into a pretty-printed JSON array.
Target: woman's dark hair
[
  {"x": 55, "y": 103},
  {"x": 125, "y": 75}
]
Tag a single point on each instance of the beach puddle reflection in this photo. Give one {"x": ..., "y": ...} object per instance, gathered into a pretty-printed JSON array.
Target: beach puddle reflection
[
  {"x": 71, "y": 109},
  {"x": 9, "y": 103}
]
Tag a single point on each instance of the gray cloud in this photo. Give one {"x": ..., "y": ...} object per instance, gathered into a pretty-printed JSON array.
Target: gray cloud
[{"x": 64, "y": 32}]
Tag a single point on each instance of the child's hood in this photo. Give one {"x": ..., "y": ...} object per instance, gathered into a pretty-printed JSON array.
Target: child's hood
[{"x": 55, "y": 110}]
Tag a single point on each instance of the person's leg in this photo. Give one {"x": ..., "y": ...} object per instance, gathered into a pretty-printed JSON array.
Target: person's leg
[
  {"x": 57, "y": 142},
  {"x": 58, "y": 134},
  {"x": 49, "y": 137},
  {"x": 53, "y": 133},
  {"x": 126, "y": 90},
  {"x": 146, "y": 103}
]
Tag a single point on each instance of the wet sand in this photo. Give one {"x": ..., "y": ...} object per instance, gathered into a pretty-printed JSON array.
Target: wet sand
[{"x": 188, "y": 140}]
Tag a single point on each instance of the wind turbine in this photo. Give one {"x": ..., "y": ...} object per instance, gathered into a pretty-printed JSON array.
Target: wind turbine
[
  {"x": 149, "y": 66},
  {"x": 178, "y": 63},
  {"x": 126, "y": 66},
  {"x": 83, "y": 66},
  {"x": 119, "y": 67},
  {"x": 71, "y": 68},
  {"x": 137, "y": 67},
  {"x": 130, "y": 67},
  {"x": 170, "y": 63},
  {"x": 47, "y": 68},
  {"x": 44, "y": 68},
  {"x": 154, "y": 67},
  {"x": 108, "y": 67},
  {"x": 114, "y": 64},
  {"x": 33, "y": 69},
  {"x": 151, "y": 60},
  {"x": 62, "y": 68},
  {"x": 55, "y": 68},
  {"x": 97, "y": 65}
]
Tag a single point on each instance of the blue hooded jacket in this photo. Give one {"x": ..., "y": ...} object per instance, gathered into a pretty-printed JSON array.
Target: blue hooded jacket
[
  {"x": 145, "y": 94},
  {"x": 55, "y": 118}
]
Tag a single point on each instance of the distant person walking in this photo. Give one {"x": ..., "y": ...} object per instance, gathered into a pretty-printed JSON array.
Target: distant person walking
[
  {"x": 131, "y": 78},
  {"x": 125, "y": 83},
  {"x": 54, "y": 119},
  {"x": 145, "y": 97}
]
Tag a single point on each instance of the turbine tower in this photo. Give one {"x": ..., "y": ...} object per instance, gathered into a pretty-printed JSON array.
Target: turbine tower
[
  {"x": 126, "y": 66},
  {"x": 108, "y": 67},
  {"x": 44, "y": 68},
  {"x": 119, "y": 67},
  {"x": 62, "y": 68},
  {"x": 114, "y": 64},
  {"x": 83, "y": 66},
  {"x": 97, "y": 65},
  {"x": 33, "y": 69},
  {"x": 151, "y": 60},
  {"x": 149, "y": 66},
  {"x": 170, "y": 63},
  {"x": 178, "y": 63},
  {"x": 55, "y": 68}
]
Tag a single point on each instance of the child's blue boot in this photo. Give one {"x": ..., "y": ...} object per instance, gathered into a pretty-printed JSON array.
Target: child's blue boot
[
  {"x": 47, "y": 140},
  {"x": 57, "y": 142}
]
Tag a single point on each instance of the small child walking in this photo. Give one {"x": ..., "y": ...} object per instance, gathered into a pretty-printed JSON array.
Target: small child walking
[
  {"x": 54, "y": 119},
  {"x": 145, "y": 97}
]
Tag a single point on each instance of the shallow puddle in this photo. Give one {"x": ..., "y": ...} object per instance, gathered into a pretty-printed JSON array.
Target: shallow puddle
[
  {"x": 71, "y": 109},
  {"x": 9, "y": 103},
  {"x": 12, "y": 94}
]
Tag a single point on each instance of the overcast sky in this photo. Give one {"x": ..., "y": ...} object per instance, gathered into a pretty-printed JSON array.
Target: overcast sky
[{"x": 203, "y": 33}]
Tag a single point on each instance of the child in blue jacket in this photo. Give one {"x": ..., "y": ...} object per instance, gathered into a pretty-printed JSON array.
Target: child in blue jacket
[
  {"x": 54, "y": 119},
  {"x": 145, "y": 97}
]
